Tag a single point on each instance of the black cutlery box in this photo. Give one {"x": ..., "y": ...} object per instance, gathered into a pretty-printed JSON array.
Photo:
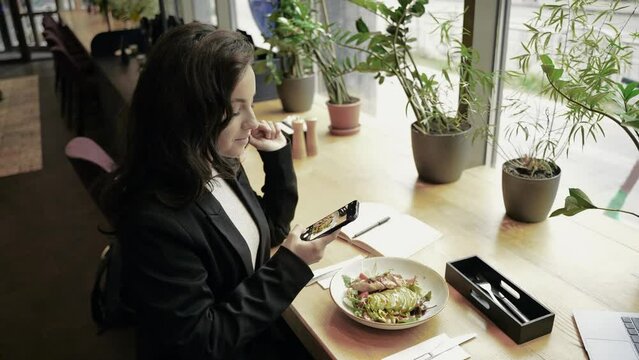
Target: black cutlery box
[{"x": 460, "y": 275}]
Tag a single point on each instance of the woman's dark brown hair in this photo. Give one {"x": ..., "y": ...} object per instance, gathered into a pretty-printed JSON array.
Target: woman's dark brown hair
[{"x": 181, "y": 104}]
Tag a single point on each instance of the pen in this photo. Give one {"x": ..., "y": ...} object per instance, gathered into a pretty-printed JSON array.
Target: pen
[{"x": 372, "y": 227}]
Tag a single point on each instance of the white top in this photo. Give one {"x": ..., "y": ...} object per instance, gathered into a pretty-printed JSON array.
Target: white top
[{"x": 238, "y": 214}]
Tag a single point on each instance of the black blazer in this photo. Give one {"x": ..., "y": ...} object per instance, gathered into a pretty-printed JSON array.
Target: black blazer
[{"x": 189, "y": 277}]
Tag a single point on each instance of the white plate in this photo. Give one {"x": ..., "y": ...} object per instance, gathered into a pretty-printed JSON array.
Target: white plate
[{"x": 427, "y": 279}]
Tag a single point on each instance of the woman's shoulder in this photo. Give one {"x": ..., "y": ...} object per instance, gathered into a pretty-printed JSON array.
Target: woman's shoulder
[
  {"x": 151, "y": 224},
  {"x": 149, "y": 210}
]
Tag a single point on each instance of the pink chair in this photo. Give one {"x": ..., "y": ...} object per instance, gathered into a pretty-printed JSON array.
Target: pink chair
[{"x": 91, "y": 163}]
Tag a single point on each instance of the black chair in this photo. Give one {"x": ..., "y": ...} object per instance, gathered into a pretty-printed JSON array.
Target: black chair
[
  {"x": 106, "y": 43},
  {"x": 79, "y": 88},
  {"x": 65, "y": 34},
  {"x": 80, "y": 56}
]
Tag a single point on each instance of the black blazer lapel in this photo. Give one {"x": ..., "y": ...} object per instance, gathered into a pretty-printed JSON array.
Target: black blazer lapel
[
  {"x": 251, "y": 203},
  {"x": 223, "y": 223}
]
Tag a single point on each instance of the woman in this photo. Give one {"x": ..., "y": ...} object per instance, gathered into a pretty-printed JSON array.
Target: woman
[{"x": 196, "y": 239}]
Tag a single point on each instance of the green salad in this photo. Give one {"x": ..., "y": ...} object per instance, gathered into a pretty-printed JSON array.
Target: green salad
[{"x": 386, "y": 298}]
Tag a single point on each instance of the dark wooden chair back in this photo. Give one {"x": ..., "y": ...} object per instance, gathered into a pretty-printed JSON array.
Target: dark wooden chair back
[{"x": 106, "y": 43}]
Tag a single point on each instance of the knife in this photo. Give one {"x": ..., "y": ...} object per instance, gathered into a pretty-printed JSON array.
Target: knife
[{"x": 447, "y": 345}]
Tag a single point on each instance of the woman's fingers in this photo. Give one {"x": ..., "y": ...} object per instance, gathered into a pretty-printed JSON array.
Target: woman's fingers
[
  {"x": 309, "y": 251},
  {"x": 266, "y": 130},
  {"x": 278, "y": 130},
  {"x": 260, "y": 132},
  {"x": 267, "y": 136},
  {"x": 327, "y": 239}
]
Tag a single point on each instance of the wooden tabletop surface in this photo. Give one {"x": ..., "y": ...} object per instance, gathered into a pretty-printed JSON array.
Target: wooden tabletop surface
[{"x": 584, "y": 262}]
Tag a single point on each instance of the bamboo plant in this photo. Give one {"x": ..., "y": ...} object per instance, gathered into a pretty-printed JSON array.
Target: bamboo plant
[{"x": 582, "y": 54}]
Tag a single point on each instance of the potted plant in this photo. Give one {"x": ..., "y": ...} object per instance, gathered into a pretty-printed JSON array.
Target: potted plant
[
  {"x": 318, "y": 42},
  {"x": 292, "y": 70},
  {"x": 439, "y": 135},
  {"x": 581, "y": 53},
  {"x": 530, "y": 174}
]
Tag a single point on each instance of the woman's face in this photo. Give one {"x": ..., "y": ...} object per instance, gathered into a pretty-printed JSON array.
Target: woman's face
[{"x": 233, "y": 139}]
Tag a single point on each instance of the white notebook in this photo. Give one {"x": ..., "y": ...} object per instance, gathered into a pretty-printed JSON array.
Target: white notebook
[{"x": 401, "y": 236}]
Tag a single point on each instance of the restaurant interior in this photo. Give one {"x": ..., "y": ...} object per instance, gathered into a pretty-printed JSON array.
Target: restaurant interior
[{"x": 493, "y": 151}]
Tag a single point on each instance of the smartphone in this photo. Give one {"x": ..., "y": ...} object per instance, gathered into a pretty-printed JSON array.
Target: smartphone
[{"x": 342, "y": 216}]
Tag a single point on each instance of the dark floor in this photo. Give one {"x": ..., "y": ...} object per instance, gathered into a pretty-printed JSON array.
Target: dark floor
[{"x": 49, "y": 249}]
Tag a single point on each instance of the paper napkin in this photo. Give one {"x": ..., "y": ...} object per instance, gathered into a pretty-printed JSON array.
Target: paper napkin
[
  {"x": 325, "y": 272},
  {"x": 456, "y": 353},
  {"x": 325, "y": 283}
]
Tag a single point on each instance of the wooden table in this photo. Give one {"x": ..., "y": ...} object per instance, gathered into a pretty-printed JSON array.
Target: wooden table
[
  {"x": 86, "y": 26},
  {"x": 585, "y": 262}
]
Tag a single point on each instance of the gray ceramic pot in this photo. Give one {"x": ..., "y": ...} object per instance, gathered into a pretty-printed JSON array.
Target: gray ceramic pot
[
  {"x": 440, "y": 158},
  {"x": 528, "y": 200},
  {"x": 297, "y": 94}
]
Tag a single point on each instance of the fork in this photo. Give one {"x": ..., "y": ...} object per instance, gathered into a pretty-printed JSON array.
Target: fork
[{"x": 512, "y": 309}]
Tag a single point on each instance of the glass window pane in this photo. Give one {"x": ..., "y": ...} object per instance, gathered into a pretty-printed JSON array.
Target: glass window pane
[
  {"x": 7, "y": 18},
  {"x": 28, "y": 33},
  {"x": 43, "y": 5},
  {"x": 40, "y": 30},
  {"x": 204, "y": 11}
]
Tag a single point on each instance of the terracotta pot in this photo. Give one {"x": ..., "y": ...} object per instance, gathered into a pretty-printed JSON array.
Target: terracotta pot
[
  {"x": 440, "y": 158},
  {"x": 297, "y": 94},
  {"x": 527, "y": 199},
  {"x": 344, "y": 118}
]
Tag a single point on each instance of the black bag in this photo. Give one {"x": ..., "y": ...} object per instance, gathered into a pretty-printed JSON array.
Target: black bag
[{"x": 107, "y": 306}]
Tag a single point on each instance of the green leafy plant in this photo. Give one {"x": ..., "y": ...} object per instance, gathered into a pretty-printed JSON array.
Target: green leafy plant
[
  {"x": 289, "y": 31},
  {"x": 577, "y": 201},
  {"x": 582, "y": 54},
  {"x": 388, "y": 54},
  {"x": 314, "y": 38},
  {"x": 132, "y": 9}
]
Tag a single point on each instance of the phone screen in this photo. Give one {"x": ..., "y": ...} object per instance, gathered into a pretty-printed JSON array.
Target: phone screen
[{"x": 332, "y": 222}]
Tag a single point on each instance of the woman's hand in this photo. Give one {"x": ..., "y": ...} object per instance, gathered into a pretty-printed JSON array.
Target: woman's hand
[
  {"x": 267, "y": 136},
  {"x": 309, "y": 251}
]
